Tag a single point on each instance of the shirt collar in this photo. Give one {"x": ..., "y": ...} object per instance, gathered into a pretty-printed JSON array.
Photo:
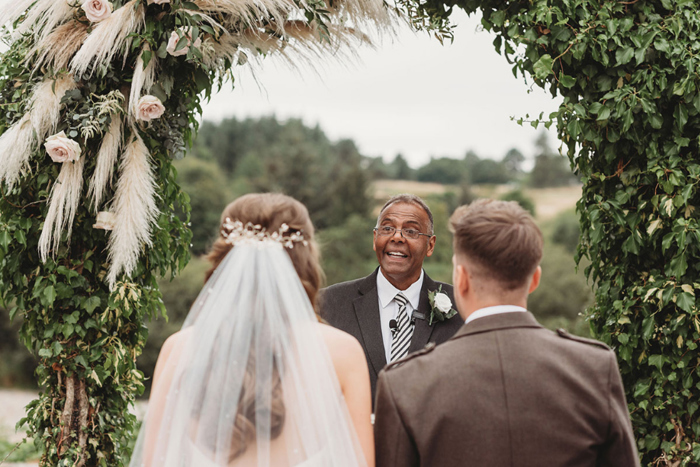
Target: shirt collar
[
  {"x": 493, "y": 310},
  {"x": 387, "y": 291}
]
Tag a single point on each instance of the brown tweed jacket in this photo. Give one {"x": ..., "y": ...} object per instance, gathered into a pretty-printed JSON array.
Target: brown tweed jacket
[{"x": 504, "y": 391}]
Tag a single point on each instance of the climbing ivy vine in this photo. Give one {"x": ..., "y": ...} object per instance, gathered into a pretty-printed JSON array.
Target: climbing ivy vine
[{"x": 630, "y": 125}]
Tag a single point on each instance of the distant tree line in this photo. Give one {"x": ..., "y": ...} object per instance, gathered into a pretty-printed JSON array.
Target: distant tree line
[{"x": 550, "y": 169}]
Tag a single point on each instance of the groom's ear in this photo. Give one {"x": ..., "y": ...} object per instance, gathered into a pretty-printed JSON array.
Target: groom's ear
[
  {"x": 461, "y": 280},
  {"x": 535, "y": 281}
]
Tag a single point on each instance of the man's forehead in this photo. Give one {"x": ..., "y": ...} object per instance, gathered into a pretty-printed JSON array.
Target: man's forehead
[{"x": 406, "y": 212}]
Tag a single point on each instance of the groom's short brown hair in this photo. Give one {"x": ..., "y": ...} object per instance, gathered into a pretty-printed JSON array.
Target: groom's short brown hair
[{"x": 500, "y": 238}]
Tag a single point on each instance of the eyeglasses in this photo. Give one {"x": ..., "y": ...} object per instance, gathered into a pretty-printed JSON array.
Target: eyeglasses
[{"x": 388, "y": 231}]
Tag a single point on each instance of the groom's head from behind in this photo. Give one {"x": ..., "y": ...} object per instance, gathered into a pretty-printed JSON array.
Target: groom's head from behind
[{"x": 497, "y": 253}]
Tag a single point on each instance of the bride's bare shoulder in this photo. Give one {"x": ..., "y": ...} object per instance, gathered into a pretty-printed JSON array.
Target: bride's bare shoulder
[
  {"x": 341, "y": 345},
  {"x": 174, "y": 344}
]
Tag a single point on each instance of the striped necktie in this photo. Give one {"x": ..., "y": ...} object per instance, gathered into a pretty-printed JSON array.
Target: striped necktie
[{"x": 401, "y": 339}]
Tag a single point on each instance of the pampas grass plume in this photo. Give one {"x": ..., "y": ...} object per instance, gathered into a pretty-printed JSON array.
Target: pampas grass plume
[
  {"x": 46, "y": 104},
  {"x": 134, "y": 206},
  {"x": 63, "y": 203},
  {"x": 106, "y": 158},
  {"x": 11, "y": 10},
  {"x": 43, "y": 17},
  {"x": 58, "y": 48},
  {"x": 108, "y": 38},
  {"x": 143, "y": 80},
  {"x": 17, "y": 143}
]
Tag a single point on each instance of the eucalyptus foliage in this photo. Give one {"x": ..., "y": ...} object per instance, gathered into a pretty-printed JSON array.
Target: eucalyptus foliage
[{"x": 630, "y": 125}]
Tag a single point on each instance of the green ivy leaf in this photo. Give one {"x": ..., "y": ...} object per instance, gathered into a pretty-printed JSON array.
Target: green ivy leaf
[
  {"x": 56, "y": 348},
  {"x": 624, "y": 55},
  {"x": 49, "y": 296},
  {"x": 5, "y": 239},
  {"x": 686, "y": 302},
  {"x": 543, "y": 66},
  {"x": 657, "y": 361},
  {"x": 91, "y": 303},
  {"x": 648, "y": 327},
  {"x": 567, "y": 81}
]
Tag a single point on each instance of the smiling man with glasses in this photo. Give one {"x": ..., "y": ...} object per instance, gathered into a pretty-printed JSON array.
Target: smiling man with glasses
[{"x": 389, "y": 311}]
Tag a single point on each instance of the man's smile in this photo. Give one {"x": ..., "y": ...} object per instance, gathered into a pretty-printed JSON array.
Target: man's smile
[{"x": 396, "y": 254}]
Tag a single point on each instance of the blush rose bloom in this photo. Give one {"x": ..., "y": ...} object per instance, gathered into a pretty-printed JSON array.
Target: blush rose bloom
[
  {"x": 149, "y": 108},
  {"x": 61, "y": 148},
  {"x": 97, "y": 10},
  {"x": 175, "y": 38},
  {"x": 158, "y": 2},
  {"x": 443, "y": 302}
]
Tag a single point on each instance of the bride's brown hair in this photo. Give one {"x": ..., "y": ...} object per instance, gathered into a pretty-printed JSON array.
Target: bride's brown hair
[{"x": 269, "y": 210}]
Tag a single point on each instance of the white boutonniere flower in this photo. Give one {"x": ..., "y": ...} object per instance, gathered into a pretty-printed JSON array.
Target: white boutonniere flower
[{"x": 440, "y": 306}]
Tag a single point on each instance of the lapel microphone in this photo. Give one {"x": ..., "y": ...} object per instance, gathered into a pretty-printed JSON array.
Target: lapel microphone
[
  {"x": 415, "y": 315},
  {"x": 393, "y": 325}
]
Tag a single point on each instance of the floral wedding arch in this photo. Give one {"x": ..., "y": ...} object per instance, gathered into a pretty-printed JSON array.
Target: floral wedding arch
[
  {"x": 116, "y": 88},
  {"x": 97, "y": 99}
]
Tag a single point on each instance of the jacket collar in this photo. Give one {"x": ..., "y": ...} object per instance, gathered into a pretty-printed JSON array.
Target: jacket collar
[{"x": 497, "y": 322}]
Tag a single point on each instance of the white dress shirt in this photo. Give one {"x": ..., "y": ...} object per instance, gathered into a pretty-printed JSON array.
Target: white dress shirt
[
  {"x": 388, "y": 308},
  {"x": 493, "y": 310}
]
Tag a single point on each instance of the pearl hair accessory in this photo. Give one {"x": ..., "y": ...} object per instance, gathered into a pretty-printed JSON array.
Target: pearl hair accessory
[{"x": 237, "y": 233}]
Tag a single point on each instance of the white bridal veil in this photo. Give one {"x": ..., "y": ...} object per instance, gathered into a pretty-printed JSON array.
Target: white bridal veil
[{"x": 249, "y": 380}]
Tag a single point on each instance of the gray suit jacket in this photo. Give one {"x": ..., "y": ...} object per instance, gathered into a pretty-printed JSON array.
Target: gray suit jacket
[
  {"x": 505, "y": 392},
  {"x": 353, "y": 307}
]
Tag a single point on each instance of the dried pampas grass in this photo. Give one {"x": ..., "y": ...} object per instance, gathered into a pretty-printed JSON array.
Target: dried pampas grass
[
  {"x": 58, "y": 48},
  {"x": 246, "y": 12},
  {"x": 106, "y": 158},
  {"x": 63, "y": 203},
  {"x": 18, "y": 143},
  {"x": 11, "y": 10},
  {"x": 108, "y": 38},
  {"x": 43, "y": 17},
  {"x": 301, "y": 45},
  {"x": 143, "y": 80},
  {"x": 134, "y": 206},
  {"x": 46, "y": 104}
]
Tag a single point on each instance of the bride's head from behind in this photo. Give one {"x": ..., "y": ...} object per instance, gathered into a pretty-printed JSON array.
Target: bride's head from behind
[{"x": 270, "y": 211}]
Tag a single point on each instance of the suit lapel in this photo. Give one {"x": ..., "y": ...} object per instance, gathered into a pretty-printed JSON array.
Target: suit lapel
[
  {"x": 422, "y": 331},
  {"x": 367, "y": 312}
]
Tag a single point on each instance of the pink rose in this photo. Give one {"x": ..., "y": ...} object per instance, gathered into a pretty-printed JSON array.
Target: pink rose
[
  {"x": 148, "y": 108},
  {"x": 175, "y": 38},
  {"x": 158, "y": 2},
  {"x": 97, "y": 10},
  {"x": 61, "y": 148}
]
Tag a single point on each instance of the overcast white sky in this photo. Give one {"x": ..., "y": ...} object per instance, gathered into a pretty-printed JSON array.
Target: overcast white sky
[{"x": 409, "y": 95}]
